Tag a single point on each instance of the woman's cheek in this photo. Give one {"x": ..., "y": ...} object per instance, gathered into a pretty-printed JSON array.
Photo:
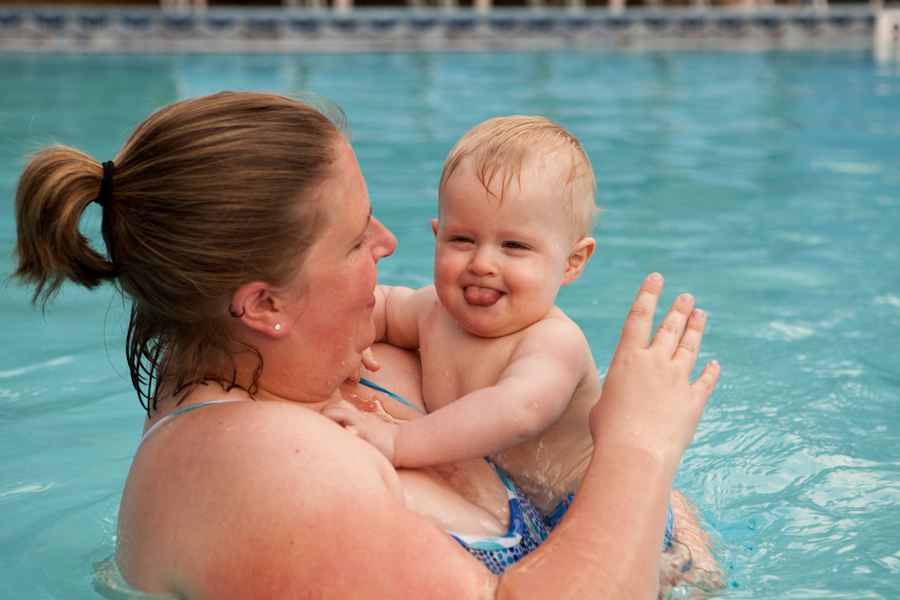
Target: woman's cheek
[{"x": 365, "y": 277}]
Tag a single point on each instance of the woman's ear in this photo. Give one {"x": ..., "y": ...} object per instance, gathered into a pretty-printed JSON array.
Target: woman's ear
[
  {"x": 579, "y": 256},
  {"x": 255, "y": 305},
  {"x": 434, "y": 226}
]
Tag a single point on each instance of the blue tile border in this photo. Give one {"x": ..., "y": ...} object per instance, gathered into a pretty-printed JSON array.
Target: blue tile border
[{"x": 118, "y": 29}]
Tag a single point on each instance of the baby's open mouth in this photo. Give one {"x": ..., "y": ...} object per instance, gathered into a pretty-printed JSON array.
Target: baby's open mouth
[{"x": 479, "y": 296}]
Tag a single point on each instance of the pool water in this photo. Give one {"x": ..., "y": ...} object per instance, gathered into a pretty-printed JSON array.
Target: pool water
[{"x": 767, "y": 184}]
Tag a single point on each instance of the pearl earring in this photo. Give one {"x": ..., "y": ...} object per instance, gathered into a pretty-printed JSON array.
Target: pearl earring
[{"x": 277, "y": 326}]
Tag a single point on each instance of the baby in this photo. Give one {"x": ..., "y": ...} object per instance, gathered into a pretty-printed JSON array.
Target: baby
[{"x": 505, "y": 373}]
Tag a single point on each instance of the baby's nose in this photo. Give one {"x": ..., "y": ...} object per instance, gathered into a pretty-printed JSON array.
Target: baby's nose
[{"x": 483, "y": 263}]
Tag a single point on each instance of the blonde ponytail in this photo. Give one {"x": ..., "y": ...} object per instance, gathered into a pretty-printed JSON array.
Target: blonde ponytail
[{"x": 55, "y": 188}]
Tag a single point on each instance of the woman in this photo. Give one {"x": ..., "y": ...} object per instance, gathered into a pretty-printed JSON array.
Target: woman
[{"x": 240, "y": 227}]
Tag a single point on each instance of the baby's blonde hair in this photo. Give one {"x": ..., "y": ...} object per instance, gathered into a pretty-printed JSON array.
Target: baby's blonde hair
[{"x": 503, "y": 144}]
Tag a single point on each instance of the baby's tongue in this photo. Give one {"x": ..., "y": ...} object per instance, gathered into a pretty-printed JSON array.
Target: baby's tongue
[{"x": 479, "y": 296}]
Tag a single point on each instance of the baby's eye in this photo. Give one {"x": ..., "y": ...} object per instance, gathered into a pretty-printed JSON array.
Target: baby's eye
[
  {"x": 515, "y": 245},
  {"x": 462, "y": 239}
]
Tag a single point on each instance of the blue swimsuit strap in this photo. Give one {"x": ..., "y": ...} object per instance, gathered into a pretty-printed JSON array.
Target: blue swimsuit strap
[
  {"x": 375, "y": 386},
  {"x": 168, "y": 417},
  {"x": 172, "y": 414}
]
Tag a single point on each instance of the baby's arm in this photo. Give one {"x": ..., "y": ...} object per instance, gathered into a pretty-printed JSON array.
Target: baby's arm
[
  {"x": 530, "y": 395},
  {"x": 396, "y": 315}
]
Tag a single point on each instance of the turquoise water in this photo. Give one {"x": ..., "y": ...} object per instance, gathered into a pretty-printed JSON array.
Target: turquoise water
[{"x": 767, "y": 184}]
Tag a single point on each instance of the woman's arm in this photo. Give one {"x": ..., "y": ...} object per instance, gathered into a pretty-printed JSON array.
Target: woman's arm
[
  {"x": 608, "y": 544},
  {"x": 244, "y": 500}
]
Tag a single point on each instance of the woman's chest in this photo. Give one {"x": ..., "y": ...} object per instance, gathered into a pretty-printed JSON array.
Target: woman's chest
[{"x": 464, "y": 498}]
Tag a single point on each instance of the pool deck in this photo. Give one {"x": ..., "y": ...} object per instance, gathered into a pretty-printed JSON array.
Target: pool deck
[{"x": 119, "y": 29}]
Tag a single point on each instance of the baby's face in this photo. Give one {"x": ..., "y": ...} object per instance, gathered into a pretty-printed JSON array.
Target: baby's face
[{"x": 498, "y": 266}]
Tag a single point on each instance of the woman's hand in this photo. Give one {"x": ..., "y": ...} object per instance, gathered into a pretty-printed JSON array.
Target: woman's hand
[
  {"x": 645, "y": 419},
  {"x": 647, "y": 395},
  {"x": 364, "y": 425}
]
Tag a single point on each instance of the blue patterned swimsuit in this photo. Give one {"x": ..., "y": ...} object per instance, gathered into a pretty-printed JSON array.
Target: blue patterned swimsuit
[{"x": 527, "y": 528}]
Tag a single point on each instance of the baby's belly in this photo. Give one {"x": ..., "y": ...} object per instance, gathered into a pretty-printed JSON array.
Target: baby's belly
[{"x": 466, "y": 498}]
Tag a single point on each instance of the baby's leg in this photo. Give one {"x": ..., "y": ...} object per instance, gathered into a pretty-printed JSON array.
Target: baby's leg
[{"x": 690, "y": 545}]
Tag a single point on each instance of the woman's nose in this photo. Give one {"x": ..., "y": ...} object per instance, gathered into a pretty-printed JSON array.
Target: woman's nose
[
  {"x": 384, "y": 241},
  {"x": 483, "y": 262}
]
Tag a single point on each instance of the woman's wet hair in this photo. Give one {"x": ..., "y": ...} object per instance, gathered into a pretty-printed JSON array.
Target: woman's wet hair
[{"x": 207, "y": 195}]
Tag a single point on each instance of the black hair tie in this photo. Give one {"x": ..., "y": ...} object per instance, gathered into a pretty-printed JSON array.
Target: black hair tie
[{"x": 106, "y": 188}]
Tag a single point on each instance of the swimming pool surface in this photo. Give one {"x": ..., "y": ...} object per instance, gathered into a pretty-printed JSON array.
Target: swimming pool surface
[{"x": 767, "y": 184}]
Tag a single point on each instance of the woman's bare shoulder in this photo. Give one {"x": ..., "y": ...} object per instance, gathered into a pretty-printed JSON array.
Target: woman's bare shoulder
[
  {"x": 215, "y": 478},
  {"x": 250, "y": 499}
]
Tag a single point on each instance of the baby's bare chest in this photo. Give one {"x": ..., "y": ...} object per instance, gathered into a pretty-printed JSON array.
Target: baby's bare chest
[{"x": 455, "y": 363}]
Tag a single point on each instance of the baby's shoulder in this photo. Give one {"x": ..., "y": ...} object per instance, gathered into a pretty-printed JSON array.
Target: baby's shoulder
[
  {"x": 554, "y": 334},
  {"x": 556, "y": 324},
  {"x": 425, "y": 299}
]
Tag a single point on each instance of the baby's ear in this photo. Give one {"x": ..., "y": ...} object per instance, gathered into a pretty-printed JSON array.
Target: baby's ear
[
  {"x": 434, "y": 226},
  {"x": 581, "y": 253}
]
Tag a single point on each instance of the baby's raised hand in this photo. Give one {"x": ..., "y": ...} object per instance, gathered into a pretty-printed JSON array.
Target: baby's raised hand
[
  {"x": 364, "y": 425},
  {"x": 647, "y": 395}
]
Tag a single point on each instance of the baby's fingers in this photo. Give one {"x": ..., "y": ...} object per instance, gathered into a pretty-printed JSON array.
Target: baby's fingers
[
  {"x": 368, "y": 360},
  {"x": 343, "y": 413},
  {"x": 367, "y": 363}
]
